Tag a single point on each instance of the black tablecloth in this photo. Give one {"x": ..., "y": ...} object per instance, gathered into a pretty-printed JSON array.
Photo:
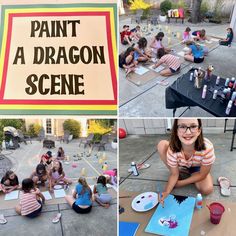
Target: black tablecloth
[{"x": 183, "y": 93}]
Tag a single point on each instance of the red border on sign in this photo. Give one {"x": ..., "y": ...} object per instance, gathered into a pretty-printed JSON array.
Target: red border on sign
[{"x": 60, "y": 102}]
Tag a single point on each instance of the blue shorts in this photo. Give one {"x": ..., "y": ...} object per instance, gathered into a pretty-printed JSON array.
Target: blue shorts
[
  {"x": 194, "y": 169},
  {"x": 174, "y": 71}
]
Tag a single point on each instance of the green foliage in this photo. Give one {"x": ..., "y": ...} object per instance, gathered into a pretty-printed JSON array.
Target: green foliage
[
  {"x": 73, "y": 126},
  {"x": 34, "y": 129},
  {"x": 99, "y": 126},
  {"x": 97, "y": 137},
  {"x": 165, "y": 6},
  {"x": 106, "y": 123},
  {"x": 204, "y": 8}
]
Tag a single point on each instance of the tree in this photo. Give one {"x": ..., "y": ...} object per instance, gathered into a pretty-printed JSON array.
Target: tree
[
  {"x": 195, "y": 15},
  {"x": 73, "y": 126},
  {"x": 34, "y": 130}
]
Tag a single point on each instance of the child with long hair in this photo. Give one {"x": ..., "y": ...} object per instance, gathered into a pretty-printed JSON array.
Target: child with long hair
[
  {"x": 9, "y": 182},
  {"x": 101, "y": 194},
  {"x": 40, "y": 175},
  {"x": 200, "y": 35},
  {"x": 46, "y": 159},
  {"x": 195, "y": 53},
  {"x": 57, "y": 176},
  {"x": 60, "y": 154},
  {"x": 187, "y": 150},
  {"x": 126, "y": 60},
  {"x": 81, "y": 200},
  {"x": 140, "y": 54},
  {"x": 31, "y": 200},
  {"x": 229, "y": 38},
  {"x": 156, "y": 43},
  {"x": 171, "y": 61},
  {"x": 186, "y": 35}
]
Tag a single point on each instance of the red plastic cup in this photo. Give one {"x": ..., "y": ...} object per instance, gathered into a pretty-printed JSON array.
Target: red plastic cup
[{"x": 216, "y": 211}]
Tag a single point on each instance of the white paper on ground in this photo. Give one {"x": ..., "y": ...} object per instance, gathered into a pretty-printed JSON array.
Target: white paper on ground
[
  {"x": 12, "y": 195},
  {"x": 141, "y": 70},
  {"x": 59, "y": 193},
  {"x": 208, "y": 41},
  {"x": 47, "y": 195},
  {"x": 158, "y": 69},
  {"x": 181, "y": 53},
  {"x": 214, "y": 39}
]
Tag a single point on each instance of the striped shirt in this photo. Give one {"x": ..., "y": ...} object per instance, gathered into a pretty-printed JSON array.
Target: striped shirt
[
  {"x": 204, "y": 157},
  {"x": 28, "y": 203},
  {"x": 171, "y": 61}
]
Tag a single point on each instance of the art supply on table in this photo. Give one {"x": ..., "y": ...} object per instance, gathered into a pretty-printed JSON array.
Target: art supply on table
[
  {"x": 191, "y": 77},
  {"x": 199, "y": 201},
  {"x": 60, "y": 193},
  {"x": 128, "y": 228},
  {"x": 231, "y": 82},
  {"x": 47, "y": 195},
  {"x": 134, "y": 169},
  {"x": 204, "y": 92},
  {"x": 233, "y": 97},
  {"x": 226, "y": 82},
  {"x": 12, "y": 195},
  {"x": 217, "y": 80},
  {"x": 174, "y": 219},
  {"x": 145, "y": 201},
  {"x": 215, "y": 94},
  {"x": 228, "y": 108},
  {"x": 216, "y": 212}
]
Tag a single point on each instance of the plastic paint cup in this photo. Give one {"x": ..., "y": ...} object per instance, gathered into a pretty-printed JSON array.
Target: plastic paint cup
[{"x": 216, "y": 212}]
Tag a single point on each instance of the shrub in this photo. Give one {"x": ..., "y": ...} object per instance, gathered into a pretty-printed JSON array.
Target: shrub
[
  {"x": 34, "y": 129},
  {"x": 165, "y": 6},
  {"x": 73, "y": 126}
]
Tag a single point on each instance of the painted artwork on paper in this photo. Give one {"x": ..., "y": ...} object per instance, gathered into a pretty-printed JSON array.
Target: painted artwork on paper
[{"x": 174, "y": 218}]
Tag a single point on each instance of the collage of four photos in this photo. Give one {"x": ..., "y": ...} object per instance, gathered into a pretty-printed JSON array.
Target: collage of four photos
[{"x": 117, "y": 117}]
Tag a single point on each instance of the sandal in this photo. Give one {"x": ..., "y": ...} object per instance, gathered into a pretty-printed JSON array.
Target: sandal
[
  {"x": 3, "y": 220},
  {"x": 224, "y": 186},
  {"x": 140, "y": 167},
  {"x": 57, "y": 218}
]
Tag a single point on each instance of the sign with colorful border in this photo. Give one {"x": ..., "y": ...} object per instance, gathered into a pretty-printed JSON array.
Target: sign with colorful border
[{"x": 58, "y": 59}]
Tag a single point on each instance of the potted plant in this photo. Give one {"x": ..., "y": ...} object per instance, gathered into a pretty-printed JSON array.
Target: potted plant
[{"x": 165, "y": 6}]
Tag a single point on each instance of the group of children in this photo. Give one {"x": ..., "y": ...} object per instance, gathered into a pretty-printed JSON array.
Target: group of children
[
  {"x": 140, "y": 52},
  {"x": 51, "y": 170}
]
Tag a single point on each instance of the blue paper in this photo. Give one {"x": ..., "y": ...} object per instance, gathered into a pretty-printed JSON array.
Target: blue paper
[
  {"x": 128, "y": 228},
  {"x": 174, "y": 219}
]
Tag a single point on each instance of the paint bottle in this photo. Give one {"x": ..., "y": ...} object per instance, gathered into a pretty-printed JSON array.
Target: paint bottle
[
  {"x": 227, "y": 82},
  {"x": 228, "y": 108},
  {"x": 233, "y": 96},
  {"x": 199, "y": 201},
  {"x": 195, "y": 73},
  {"x": 191, "y": 77},
  {"x": 231, "y": 82},
  {"x": 204, "y": 91},
  {"x": 217, "y": 80},
  {"x": 234, "y": 87},
  {"x": 215, "y": 94},
  {"x": 134, "y": 169}
]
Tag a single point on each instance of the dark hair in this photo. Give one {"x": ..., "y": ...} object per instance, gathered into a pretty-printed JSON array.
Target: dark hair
[
  {"x": 142, "y": 43},
  {"x": 160, "y": 52},
  {"x": 124, "y": 26},
  {"x": 175, "y": 144},
  {"x": 62, "y": 151},
  {"x": 138, "y": 27},
  {"x": 49, "y": 153},
  {"x": 202, "y": 33},
  {"x": 231, "y": 31},
  {"x": 159, "y": 36},
  {"x": 102, "y": 180},
  {"x": 27, "y": 185},
  {"x": 128, "y": 51},
  {"x": 42, "y": 167},
  {"x": 60, "y": 168},
  {"x": 8, "y": 173},
  {"x": 187, "y": 29}
]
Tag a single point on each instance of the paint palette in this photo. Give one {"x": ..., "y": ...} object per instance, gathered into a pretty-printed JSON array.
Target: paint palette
[
  {"x": 145, "y": 201},
  {"x": 56, "y": 187}
]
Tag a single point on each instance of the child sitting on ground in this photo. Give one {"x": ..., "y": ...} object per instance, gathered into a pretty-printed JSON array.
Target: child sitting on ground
[
  {"x": 136, "y": 33},
  {"x": 31, "y": 200},
  {"x": 60, "y": 154},
  {"x": 126, "y": 60},
  {"x": 156, "y": 43},
  {"x": 140, "y": 55},
  {"x": 229, "y": 38},
  {"x": 186, "y": 35},
  {"x": 195, "y": 53},
  {"x": 9, "y": 182},
  {"x": 81, "y": 201},
  {"x": 40, "y": 175},
  {"x": 171, "y": 61},
  {"x": 111, "y": 176},
  {"x": 101, "y": 194},
  {"x": 125, "y": 36},
  {"x": 57, "y": 176},
  {"x": 200, "y": 35},
  {"x": 46, "y": 159}
]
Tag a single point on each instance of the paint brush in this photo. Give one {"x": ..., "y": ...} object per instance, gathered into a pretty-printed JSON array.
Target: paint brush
[{"x": 160, "y": 196}]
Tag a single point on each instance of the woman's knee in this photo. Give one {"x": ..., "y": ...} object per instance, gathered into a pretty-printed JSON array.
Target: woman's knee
[{"x": 205, "y": 190}]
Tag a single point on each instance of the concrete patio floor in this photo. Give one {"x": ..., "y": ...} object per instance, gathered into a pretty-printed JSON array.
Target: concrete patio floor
[
  {"x": 148, "y": 100},
  {"x": 100, "y": 220}
]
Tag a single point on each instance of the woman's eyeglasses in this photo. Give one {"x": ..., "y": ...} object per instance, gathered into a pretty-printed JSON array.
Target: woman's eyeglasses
[{"x": 184, "y": 128}]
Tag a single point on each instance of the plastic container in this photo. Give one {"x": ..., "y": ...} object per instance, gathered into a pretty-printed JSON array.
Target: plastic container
[
  {"x": 199, "y": 201},
  {"x": 227, "y": 82},
  {"x": 134, "y": 169},
  {"x": 215, "y": 94},
  {"x": 217, "y": 80},
  {"x": 216, "y": 212},
  {"x": 191, "y": 77},
  {"x": 228, "y": 108},
  {"x": 204, "y": 91}
]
